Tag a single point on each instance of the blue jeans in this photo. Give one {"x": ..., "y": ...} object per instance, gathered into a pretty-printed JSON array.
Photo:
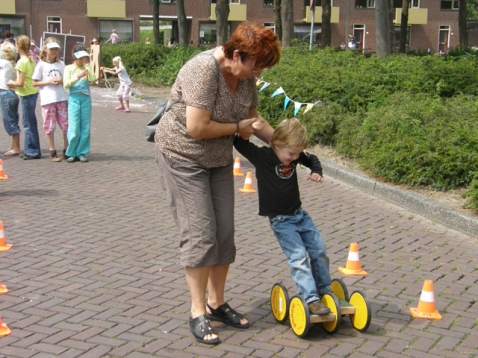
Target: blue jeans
[
  {"x": 9, "y": 103},
  {"x": 30, "y": 127},
  {"x": 79, "y": 123},
  {"x": 298, "y": 236}
]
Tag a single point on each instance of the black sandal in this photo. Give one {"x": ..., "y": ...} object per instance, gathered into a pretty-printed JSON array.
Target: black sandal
[
  {"x": 200, "y": 328},
  {"x": 225, "y": 314}
]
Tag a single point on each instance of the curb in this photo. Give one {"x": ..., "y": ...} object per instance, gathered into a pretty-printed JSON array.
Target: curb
[{"x": 412, "y": 201}]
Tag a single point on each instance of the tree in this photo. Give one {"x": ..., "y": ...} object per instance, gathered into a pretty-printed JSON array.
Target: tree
[
  {"x": 472, "y": 9},
  {"x": 182, "y": 23},
  {"x": 287, "y": 22},
  {"x": 222, "y": 14},
  {"x": 404, "y": 26},
  {"x": 382, "y": 12},
  {"x": 155, "y": 21},
  {"x": 462, "y": 12},
  {"x": 326, "y": 32},
  {"x": 278, "y": 18}
]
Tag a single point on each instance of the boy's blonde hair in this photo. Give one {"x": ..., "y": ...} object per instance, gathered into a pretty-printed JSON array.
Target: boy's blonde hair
[
  {"x": 9, "y": 52},
  {"x": 43, "y": 52},
  {"x": 289, "y": 133}
]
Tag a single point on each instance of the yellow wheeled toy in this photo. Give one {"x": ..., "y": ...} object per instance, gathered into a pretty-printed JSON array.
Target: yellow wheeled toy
[{"x": 357, "y": 307}]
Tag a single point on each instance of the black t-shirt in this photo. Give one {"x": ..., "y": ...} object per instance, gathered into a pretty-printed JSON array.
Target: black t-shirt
[{"x": 277, "y": 183}]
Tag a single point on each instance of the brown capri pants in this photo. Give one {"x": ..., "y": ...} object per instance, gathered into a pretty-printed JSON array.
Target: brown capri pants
[{"x": 202, "y": 204}]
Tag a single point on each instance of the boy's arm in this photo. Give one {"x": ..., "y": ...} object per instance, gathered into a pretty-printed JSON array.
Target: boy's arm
[
  {"x": 312, "y": 161},
  {"x": 246, "y": 148}
]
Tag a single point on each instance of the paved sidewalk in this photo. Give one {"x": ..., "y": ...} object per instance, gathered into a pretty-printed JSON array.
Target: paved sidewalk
[{"x": 94, "y": 270}]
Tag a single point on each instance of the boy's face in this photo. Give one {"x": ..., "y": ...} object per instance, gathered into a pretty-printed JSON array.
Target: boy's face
[{"x": 288, "y": 154}]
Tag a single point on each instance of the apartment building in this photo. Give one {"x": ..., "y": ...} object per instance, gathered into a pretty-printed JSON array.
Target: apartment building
[{"x": 433, "y": 24}]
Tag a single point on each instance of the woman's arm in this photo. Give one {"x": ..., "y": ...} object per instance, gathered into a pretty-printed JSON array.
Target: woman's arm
[
  {"x": 200, "y": 125},
  {"x": 265, "y": 134}
]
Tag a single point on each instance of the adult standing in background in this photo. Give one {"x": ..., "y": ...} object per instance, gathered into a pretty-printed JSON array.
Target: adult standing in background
[
  {"x": 113, "y": 37},
  {"x": 194, "y": 155}
]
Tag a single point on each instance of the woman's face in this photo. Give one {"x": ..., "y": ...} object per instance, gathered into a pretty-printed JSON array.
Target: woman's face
[{"x": 244, "y": 69}]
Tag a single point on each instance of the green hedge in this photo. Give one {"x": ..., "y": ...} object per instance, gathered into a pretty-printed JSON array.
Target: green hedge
[{"x": 407, "y": 119}]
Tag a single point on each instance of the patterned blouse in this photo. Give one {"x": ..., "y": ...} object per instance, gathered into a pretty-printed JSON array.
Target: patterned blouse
[{"x": 201, "y": 84}]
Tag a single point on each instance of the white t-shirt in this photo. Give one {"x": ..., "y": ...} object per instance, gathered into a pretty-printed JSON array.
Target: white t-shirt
[
  {"x": 123, "y": 76},
  {"x": 44, "y": 71},
  {"x": 6, "y": 73}
]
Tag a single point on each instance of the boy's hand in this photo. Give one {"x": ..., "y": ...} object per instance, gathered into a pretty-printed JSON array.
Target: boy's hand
[{"x": 316, "y": 178}]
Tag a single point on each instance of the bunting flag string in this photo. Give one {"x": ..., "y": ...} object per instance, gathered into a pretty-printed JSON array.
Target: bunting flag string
[{"x": 287, "y": 99}]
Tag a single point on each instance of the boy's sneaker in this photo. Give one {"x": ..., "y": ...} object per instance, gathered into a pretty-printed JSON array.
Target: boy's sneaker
[
  {"x": 315, "y": 307},
  {"x": 120, "y": 108},
  {"x": 54, "y": 157},
  {"x": 83, "y": 159}
]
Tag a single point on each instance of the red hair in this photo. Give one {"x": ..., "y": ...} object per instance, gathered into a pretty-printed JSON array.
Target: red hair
[{"x": 254, "y": 41}]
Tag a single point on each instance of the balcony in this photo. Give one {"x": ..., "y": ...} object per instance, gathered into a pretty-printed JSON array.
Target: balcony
[
  {"x": 7, "y": 7},
  {"x": 334, "y": 16},
  {"x": 106, "y": 8},
  {"x": 415, "y": 16},
  {"x": 236, "y": 12}
]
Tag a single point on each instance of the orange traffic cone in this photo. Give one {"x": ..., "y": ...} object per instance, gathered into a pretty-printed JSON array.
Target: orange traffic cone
[
  {"x": 3, "y": 289},
  {"x": 3, "y": 240},
  {"x": 4, "y": 330},
  {"x": 2, "y": 173},
  {"x": 248, "y": 188},
  {"x": 352, "y": 268},
  {"x": 237, "y": 168},
  {"x": 426, "y": 305}
]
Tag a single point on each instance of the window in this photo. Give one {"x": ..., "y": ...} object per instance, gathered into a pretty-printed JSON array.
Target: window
[
  {"x": 365, "y": 4},
  {"x": 415, "y": 4},
  {"x": 397, "y": 37},
  {"x": 268, "y": 3},
  {"x": 444, "y": 38},
  {"x": 270, "y": 25},
  {"x": 302, "y": 33},
  {"x": 317, "y": 3},
  {"x": 54, "y": 24},
  {"x": 15, "y": 25},
  {"x": 230, "y": 1},
  {"x": 207, "y": 33},
  {"x": 449, "y": 4},
  {"x": 168, "y": 1},
  {"x": 124, "y": 29}
]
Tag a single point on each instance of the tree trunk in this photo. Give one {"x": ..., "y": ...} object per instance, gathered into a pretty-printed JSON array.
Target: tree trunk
[
  {"x": 462, "y": 24},
  {"x": 182, "y": 23},
  {"x": 278, "y": 18},
  {"x": 383, "y": 28},
  {"x": 156, "y": 22},
  {"x": 326, "y": 32},
  {"x": 287, "y": 22},
  {"x": 222, "y": 14},
  {"x": 404, "y": 27}
]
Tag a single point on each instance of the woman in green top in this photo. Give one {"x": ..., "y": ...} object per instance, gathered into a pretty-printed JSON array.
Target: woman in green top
[{"x": 28, "y": 98}]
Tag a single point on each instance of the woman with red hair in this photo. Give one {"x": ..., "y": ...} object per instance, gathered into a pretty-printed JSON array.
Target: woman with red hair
[{"x": 217, "y": 98}]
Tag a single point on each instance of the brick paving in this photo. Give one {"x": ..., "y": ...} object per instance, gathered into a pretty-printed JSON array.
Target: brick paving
[{"x": 94, "y": 268}]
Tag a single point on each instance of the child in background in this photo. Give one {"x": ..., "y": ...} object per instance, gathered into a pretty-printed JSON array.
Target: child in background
[
  {"x": 125, "y": 83},
  {"x": 28, "y": 98},
  {"x": 279, "y": 199},
  {"x": 8, "y": 99},
  {"x": 48, "y": 76},
  {"x": 34, "y": 51},
  {"x": 77, "y": 77}
]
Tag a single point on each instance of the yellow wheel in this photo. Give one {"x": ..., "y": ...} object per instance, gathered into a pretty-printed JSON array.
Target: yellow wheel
[
  {"x": 280, "y": 302},
  {"x": 339, "y": 289},
  {"x": 299, "y": 316},
  {"x": 331, "y": 301},
  {"x": 363, "y": 312}
]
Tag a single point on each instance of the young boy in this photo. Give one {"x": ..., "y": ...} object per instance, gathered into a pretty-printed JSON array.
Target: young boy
[{"x": 279, "y": 199}]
